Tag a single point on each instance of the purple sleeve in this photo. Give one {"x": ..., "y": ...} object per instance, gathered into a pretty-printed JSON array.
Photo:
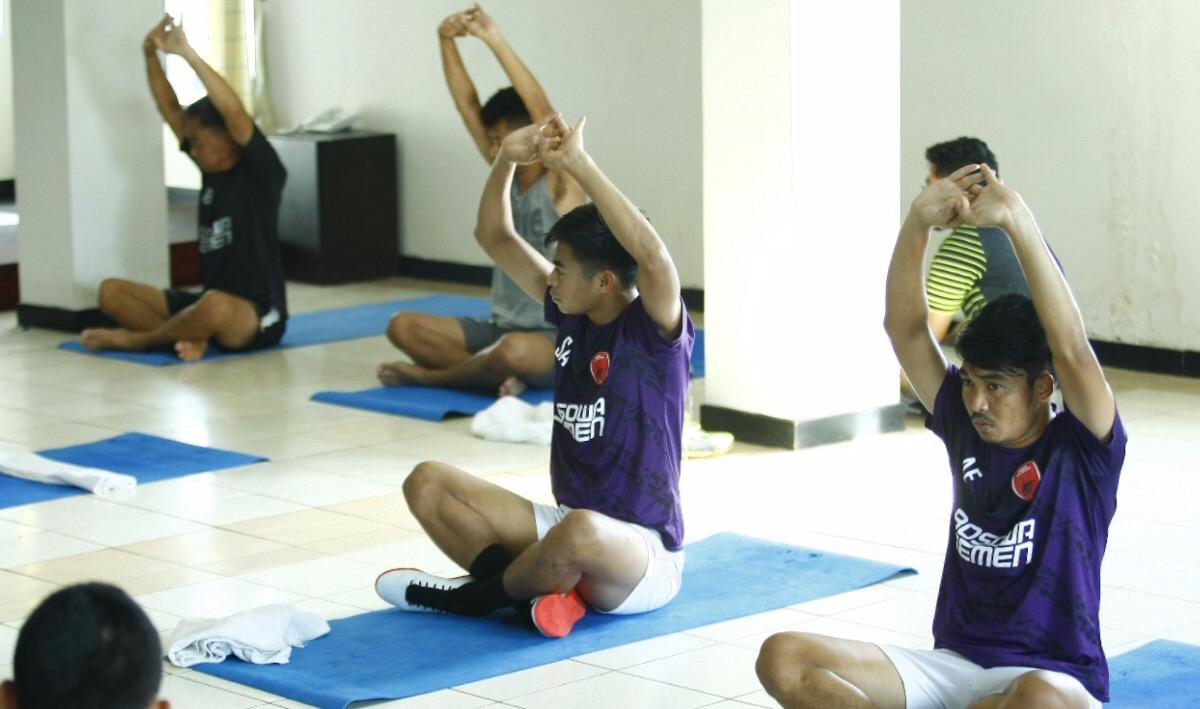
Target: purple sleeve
[
  {"x": 643, "y": 330},
  {"x": 1101, "y": 458},
  {"x": 263, "y": 161},
  {"x": 948, "y": 406}
]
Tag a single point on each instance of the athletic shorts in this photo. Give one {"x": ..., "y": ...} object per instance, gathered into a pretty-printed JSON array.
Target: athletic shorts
[
  {"x": 270, "y": 325},
  {"x": 664, "y": 571},
  {"x": 944, "y": 679},
  {"x": 479, "y": 334}
]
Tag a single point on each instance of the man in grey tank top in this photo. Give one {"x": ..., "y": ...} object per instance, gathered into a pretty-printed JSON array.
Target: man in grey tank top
[{"x": 514, "y": 348}]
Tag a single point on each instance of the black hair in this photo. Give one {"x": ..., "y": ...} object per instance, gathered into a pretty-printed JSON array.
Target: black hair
[
  {"x": 208, "y": 114},
  {"x": 593, "y": 243},
  {"x": 505, "y": 105},
  {"x": 1007, "y": 336},
  {"x": 88, "y": 646},
  {"x": 949, "y": 156}
]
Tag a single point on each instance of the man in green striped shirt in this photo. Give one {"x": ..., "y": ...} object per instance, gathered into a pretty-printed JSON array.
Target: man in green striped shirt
[{"x": 973, "y": 266}]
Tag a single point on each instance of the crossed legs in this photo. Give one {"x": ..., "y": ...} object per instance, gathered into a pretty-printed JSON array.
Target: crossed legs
[
  {"x": 438, "y": 348},
  {"x": 603, "y": 558},
  {"x": 146, "y": 321}
]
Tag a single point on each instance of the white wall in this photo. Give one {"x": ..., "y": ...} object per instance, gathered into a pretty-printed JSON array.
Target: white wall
[
  {"x": 633, "y": 67},
  {"x": 1091, "y": 110},
  {"x": 6, "y": 108},
  {"x": 88, "y": 158}
]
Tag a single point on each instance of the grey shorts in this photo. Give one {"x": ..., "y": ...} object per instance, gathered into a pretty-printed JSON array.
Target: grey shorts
[{"x": 480, "y": 334}]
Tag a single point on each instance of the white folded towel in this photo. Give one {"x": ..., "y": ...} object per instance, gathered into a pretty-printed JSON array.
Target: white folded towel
[
  {"x": 31, "y": 466},
  {"x": 514, "y": 421},
  {"x": 263, "y": 636}
]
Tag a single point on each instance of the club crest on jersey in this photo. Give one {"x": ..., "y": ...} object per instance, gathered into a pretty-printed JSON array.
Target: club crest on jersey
[
  {"x": 1026, "y": 480},
  {"x": 599, "y": 366}
]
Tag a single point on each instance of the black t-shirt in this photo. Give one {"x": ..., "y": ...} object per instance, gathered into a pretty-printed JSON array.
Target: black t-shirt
[{"x": 239, "y": 227}]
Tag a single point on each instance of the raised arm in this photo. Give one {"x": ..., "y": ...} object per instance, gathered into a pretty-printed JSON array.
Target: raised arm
[
  {"x": 164, "y": 96},
  {"x": 907, "y": 312},
  {"x": 224, "y": 99},
  {"x": 1085, "y": 390},
  {"x": 481, "y": 25},
  {"x": 462, "y": 90},
  {"x": 494, "y": 228},
  {"x": 658, "y": 281}
]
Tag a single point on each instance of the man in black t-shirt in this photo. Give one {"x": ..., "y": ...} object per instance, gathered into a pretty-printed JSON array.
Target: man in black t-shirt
[{"x": 243, "y": 304}]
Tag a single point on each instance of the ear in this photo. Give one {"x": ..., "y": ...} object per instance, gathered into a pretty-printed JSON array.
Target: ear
[
  {"x": 1043, "y": 386},
  {"x": 607, "y": 280},
  {"x": 162, "y": 704},
  {"x": 8, "y": 695}
]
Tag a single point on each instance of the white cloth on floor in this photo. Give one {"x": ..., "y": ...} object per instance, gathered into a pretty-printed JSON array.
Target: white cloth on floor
[
  {"x": 513, "y": 421},
  {"x": 263, "y": 636},
  {"x": 31, "y": 466}
]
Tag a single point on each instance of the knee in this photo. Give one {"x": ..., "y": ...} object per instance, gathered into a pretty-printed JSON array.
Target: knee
[
  {"x": 576, "y": 538},
  {"x": 110, "y": 292},
  {"x": 213, "y": 309},
  {"x": 1043, "y": 688},
  {"x": 512, "y": 355},
  {"x": 422, "y": 485},
  {"x": 402, "y": 329},
  {"x": 785, "y": 663}
]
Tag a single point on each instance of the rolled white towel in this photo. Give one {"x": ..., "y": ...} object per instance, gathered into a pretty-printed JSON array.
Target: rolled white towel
[
  {"x": 262, "y": 636},
  {"x": 31, "y": 466},
  {"x": 514, "y": 421}
]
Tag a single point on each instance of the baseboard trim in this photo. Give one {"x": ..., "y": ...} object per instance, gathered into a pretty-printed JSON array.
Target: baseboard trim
[
  {"x": 474, "y": 275},
  {"x": 793, "y": 435},
  {"x": 66, "y": 320},
  {"x": 8, "y": 190},
  {"x": 1142, "y": 358}
]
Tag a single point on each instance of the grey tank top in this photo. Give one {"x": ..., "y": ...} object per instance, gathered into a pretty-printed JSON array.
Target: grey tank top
[{"x": 533, "y": 215}]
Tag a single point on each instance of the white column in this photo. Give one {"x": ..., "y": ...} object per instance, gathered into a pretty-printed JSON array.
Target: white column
[
  {"x": 801, "y": 170},
  {"x": 88, "y": 150}
]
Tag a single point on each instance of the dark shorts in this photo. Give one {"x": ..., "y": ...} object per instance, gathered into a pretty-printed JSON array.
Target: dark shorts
[
  {"x": 480, "y": 334},
  {"x": 270, "y": 325}
]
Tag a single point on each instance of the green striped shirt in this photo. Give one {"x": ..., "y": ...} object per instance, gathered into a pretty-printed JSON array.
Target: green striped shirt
[{"x": 954, "y": 275}]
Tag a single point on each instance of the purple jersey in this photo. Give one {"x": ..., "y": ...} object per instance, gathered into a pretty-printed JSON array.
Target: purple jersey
[
  {"x": 1021, "y": 580},
  {"x": 619, "y": 394}
]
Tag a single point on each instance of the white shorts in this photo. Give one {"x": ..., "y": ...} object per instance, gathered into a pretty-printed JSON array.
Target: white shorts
[
  {"x": 664, "y": 570},
  {"x": 944, "y": 679}
]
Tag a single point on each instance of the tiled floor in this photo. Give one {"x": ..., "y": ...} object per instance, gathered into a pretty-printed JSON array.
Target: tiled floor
[{"x": 315, "y": 524}]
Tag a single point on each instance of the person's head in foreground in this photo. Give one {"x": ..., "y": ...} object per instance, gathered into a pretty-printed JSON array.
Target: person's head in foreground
[
  {"x": 945, "y": 158},
  {"x": 206, "y": 140},
  {"x": 503, "y": 113},
  {"x": 1007, "y": 379},
  {"x": 590, "y": 265},
  {"x": 88, "y": 646}
]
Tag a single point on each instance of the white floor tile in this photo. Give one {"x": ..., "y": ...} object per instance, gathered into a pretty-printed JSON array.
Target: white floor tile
[
  {"x": 613, "y": 689},
  {"x": 534, "y": 679}
]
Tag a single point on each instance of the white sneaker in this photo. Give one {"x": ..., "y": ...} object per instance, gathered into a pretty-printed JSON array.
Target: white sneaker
[{"x": 392, "y": 586}]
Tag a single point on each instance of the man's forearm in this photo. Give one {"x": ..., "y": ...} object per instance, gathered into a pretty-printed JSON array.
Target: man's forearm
[
  {"x": 495, "y": 221},
  {"x": 907, "y": 309},
  {"x": 628, "y": 225},
  {"x": 1048, "y": 289},
  {"x": 222, "y": 95},
  {"x": 462, "y": 89},
  {"x": 523, "y": 80},
  {"x": 164, "y": 95}
]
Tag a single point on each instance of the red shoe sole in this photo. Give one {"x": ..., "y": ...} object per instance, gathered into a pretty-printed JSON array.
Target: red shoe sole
[{"x": 556, "y": 613}]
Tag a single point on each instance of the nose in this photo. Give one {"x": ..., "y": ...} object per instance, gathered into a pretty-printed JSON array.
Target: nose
[{"x": 975, "y": 400}]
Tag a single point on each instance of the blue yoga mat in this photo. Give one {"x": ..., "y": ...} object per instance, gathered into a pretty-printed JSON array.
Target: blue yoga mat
[
  {"x": 148, "y": 458},
  {"x": 1159, "y": 674},
  {"x": 698, "y": 356},
  {"x": 429, "y": 403},
  {"x": 322, "y": 326},
  {"x": 392, "y": 654}
]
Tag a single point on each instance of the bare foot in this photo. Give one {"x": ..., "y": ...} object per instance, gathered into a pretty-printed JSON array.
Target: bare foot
[
  {"x": 191, "y": 350},
  {"x": 102, "y": 338},
  {"x": 395, "y": 374},
  {"x": 512, "y": 387}
]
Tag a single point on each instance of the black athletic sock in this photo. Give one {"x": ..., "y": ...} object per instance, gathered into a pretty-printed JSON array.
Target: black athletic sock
[
  {"x": 474, "y": 599},
  {"x": 490, "y": 562}
]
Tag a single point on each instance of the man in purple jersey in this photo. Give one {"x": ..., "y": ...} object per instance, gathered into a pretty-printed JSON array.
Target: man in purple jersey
[
  {"x": 614, "y": 541},
  {"x": 1017, "y": 616}
]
